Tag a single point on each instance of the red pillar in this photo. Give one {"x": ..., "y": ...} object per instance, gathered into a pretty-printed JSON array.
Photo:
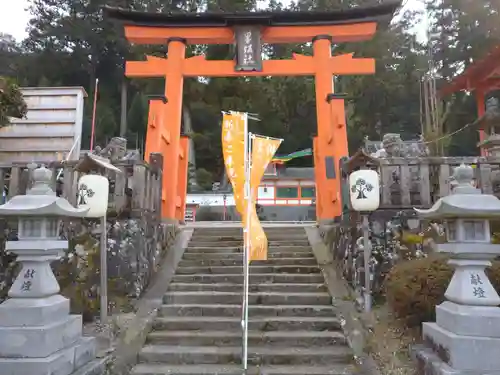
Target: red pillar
[
  {"x": 480, "y": 113},
  {"x": 154, "y": 130},
  {"x": 172, "y": 115},
  {"x": 182, "y": 179},
  {"x": 317, "y": 178},
  {"x": 331, "y": 143}
]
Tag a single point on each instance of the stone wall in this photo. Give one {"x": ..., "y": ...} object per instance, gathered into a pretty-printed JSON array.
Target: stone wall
[
  {"x": 135, "y": 248},
  {"x": 395, "y": 236}
]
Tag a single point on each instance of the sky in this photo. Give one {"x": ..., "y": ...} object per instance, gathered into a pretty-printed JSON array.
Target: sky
[{"x": 14, "y": 16}]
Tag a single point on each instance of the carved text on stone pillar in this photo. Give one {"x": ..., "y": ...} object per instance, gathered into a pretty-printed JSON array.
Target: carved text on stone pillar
[
  {"x": 475, "y": 279},
  {"x": 478, "y": 292},
  {"x": 29, "y": 274},
  {"x": 26, "y": 286}
]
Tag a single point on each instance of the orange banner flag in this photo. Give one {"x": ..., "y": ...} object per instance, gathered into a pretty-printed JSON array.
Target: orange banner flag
[
  {"x": 263, "y": 150},
  {"x": 233, "y": 149},
  {"x": 257, "y": 236}
]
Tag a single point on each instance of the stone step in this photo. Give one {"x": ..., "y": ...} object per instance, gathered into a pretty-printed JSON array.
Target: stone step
[
  {"x": 279, "y": 239},
  {"x": 218, "y": 244},
  {"x": 254, "y": 310},
  {"x": 293, "y": 327},
  {"x": 347, "y": 369},
  {"x": 239, "y": 255},
  {"x": 265, "y": 324},
  {"x": 255, "y": 298},
  {"x": 255, "y": 338},
  {"x": 239, "y": 231},
  {"x": 239, "y": 237},
  {"x": 203, "y": 369},
  {"x": 229, "y": 287},
  {"x": 253, "y": 269},
  {"x": 277, "y": 243},
  {"x": 255, "y": 278},
  {"x": 208, "y": 369},
  {"x": 239, "y": 249},
  {"x": 238, "y": 262},
  {"x": 174, "y": 354}
]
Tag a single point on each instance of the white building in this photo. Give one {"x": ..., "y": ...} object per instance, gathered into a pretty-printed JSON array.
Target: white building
[{"x": 285, "y": 194}]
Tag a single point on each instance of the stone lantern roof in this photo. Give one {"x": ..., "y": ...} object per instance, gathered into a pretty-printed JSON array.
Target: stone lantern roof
[
  {"x": 465, "y": 201},
  {"x": 40, "y": 200}
]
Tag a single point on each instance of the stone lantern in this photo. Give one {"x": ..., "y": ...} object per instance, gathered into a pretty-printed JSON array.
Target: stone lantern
[
  {"x": 466, "y": 334},
  {"x": 490, "y": 124},
  {"x": 38, "y": 336}
]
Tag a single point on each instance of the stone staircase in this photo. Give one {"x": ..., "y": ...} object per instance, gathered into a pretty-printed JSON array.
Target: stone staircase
[{"x": 293, "y": 329}]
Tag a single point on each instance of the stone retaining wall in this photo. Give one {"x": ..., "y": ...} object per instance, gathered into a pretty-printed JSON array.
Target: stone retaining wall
[
  {"x": 395, "y": 236},
  {"x": 135, "y": 248}
]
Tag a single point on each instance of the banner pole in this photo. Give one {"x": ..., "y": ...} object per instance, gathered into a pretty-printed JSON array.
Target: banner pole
[{"x": 246, "y": 234}]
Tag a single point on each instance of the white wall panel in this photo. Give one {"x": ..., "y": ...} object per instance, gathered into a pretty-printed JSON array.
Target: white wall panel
[{"x": 52, "y": 126}]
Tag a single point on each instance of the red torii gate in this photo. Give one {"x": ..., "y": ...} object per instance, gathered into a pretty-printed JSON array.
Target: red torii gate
[
  {"x": 248, "y": 31},
  {"x": 481, "y": 77}
]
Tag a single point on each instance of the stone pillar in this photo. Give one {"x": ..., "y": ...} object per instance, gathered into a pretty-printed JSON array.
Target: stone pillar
[{"x": 38, "y": 336}]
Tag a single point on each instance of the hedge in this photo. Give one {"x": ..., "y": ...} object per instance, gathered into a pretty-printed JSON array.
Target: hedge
[{"x": 414, "y": 288}]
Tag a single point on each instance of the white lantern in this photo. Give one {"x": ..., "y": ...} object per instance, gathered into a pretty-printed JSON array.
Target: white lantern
[
  {"x": 93, "y": 191},
  {"x": 364, "y": 190}
]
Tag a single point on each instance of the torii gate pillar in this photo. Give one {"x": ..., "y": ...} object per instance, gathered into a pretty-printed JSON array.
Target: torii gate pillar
[
  {"x": 172, "y": 110},
  {"x": 331, "y": 141}
]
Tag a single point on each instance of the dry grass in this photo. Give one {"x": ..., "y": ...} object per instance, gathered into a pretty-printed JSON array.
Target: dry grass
[
  {"x": 107, "y": 334},
  {"x": 389, "y": 343}
]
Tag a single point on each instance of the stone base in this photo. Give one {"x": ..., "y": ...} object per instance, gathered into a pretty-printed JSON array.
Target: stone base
[
  {"x": 40, "y": 341},
  {"x": 482, "y": 321},
  {"x": 21, "y": 312},
  {"x": 63, "y": 362},
  {"x": 463, "y": 353},
  {"x": 428, "y": 363}
]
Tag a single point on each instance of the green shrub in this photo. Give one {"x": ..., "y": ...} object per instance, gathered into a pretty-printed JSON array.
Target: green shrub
[
  {"x": 414, "y": 288},
  {"x": 12, "y": 103}
]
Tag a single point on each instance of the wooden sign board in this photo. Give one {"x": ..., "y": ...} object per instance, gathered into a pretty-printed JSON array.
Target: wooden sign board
[{"x": 248, "y": 49}]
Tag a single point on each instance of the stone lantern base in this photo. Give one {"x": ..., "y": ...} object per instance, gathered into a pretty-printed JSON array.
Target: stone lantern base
[
  {"x": 465, "y": 339},
  {"x": 463, "y": 353},
  {"x": 38, "y": 336},
  {"x": 430, "y": 363}
]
